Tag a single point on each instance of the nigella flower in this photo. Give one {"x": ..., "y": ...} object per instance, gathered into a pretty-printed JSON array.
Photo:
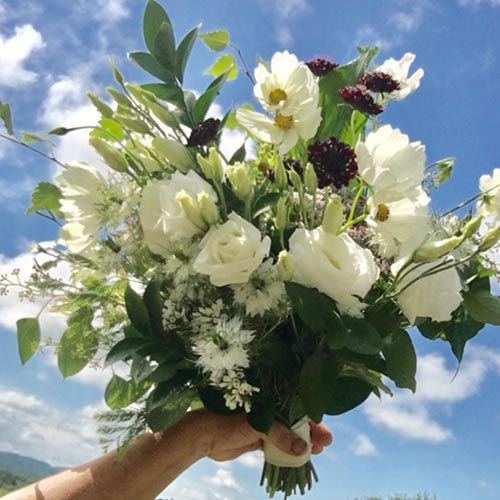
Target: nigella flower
[
  {"x": 360, "y": 99},
  {"x": 334, "y": 162},
  {"x": 379, "y": 82},
  {"x": 321, "y": 66},
  {"x": 204, "y": 132}
]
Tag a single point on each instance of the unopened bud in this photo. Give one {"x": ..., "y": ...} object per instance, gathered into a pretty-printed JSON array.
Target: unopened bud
[
  {"x": 310, "y": 179},
  {"x": 191, "y": 209},
  {"x": 490, "y": 239},
  {"x": 284, "y": 266},
  {"x": 211, "y": 166},
  {"x": 295, "y": 180},
  {"x": 240, "y": 181},
  {"x": 175, "y": 153},
  {"x": 208, "y": 208},
  {"x": 281, "y": 219},
  {"x": 432, "y": 250},
  {"x": 280, "y": 177},
  {"x": 113, "y": 158},
  {"x": 472, "y": 226},
  {"x": 333, "y": 216}
]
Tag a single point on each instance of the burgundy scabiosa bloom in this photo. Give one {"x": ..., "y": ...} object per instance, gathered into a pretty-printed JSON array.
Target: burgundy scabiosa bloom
[
  {"x": 204, "y": 132},
  {"x": 379, "y": 82},
  {"x": 293, "y": 164},
  {"x": 321, "y": 66},
  {"x": 359, "y": 98},
  {"x": 334, "y": 162}
]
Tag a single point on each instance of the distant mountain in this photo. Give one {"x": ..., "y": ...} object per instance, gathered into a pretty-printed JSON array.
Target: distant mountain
[{"x": 26, "y": 468}]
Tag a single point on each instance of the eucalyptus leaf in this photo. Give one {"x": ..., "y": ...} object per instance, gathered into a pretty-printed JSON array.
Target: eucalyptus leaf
[
  {"x": 28, "y": 337},
  {"x": 216, "y": 40},
  {"x": 46, "y": 196}
]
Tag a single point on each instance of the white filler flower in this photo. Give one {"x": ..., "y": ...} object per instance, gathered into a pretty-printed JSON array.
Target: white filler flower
[
  {"x": 489, "y": 203},
  {"x": 162, "y": 216},
  {"x": 232, "y": 252},
  {"x": 399, "y": 70},
  {"x": 334, "y": 264},
  {"x": 391, "y": 164}
]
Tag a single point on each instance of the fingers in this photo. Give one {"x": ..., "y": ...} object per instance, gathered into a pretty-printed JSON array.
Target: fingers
[
  {"x": 320, "y": 437},
  {"x": 286, "y": 440}
]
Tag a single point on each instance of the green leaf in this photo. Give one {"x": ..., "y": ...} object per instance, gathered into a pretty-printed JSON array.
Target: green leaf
[
  {"x": 444, "y": 169},
  {"x": 162, "y": 373},
  {"x": 172, "y": 408},
  {"x": 149, "y": 64},
  {"x": 483, "y": 306},
  {"x": 76, "y": 348},
  {"x": 264, "y": 202},
  {"x": 28, "y": 337},
  {"x": 6, "y": 116},
  {"x": 319, "y": 313},
  {"x": 318, "y": 379},
  {"x": 120, "y": 393},
  {"x": 154, "y": 16},
  {"x": 207, "y": 98},
  {"x": 112, "y": 157},
  {"x": 225, "y": 63},
  {"x": 154, "y": 306},
  {"x": 124, "y": 349},
  {"x": 166, "y": 92},
  {"x": 183, "y": 52},
  {"x": 401, "y": 360},
  {"x": 137, "y": 312},
  {"x": 109, "y": 129},
  {"x": 164, "y": 47},
  {"x": 105, "y": 110},
  {"x": 238, "y": 155},
  {"x": 362, "y": 338},
  {"x": 29, "y": 138},
  {"x": 349, "y": 393},
  {"x": 213, "y": 400},
  {"x": 46, "y": 196},
  {"x": 216, "y": 40},
  {"x": 262, "y": 414},
  {"x": 232, "y": 122}
]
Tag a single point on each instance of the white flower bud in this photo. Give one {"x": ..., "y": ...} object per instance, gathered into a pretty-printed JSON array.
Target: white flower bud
[
  {"x": 240, "y": 180},
  {"x": 310, "y": 179},
  {"x": 284, "y": 266},
  {"x": 280, "y": 177},
  {"x": 490, "y": 239},
  {"x": 211, "y": 166},
  {"x": 191, "y": 209},
  {"x": 281, "y": 220},
  {"x": 472, "y": 226},
  {"x": 333, "y": 216},
  {"x": 432, "y": 250},
  {"x": 175, "y": 153},
  {"x": 208, "y": 209}
]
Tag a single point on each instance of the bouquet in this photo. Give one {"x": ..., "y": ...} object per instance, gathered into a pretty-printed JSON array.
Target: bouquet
[{"x": 279, "y": 281}]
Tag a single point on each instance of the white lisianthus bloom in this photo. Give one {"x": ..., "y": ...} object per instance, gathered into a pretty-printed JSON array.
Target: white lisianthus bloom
[
  {"x": 489, "y": 203},
  {"x": 435, "y": 296},
  {"x": 399, "y": 70},
  {"x": 283, "y": 130},
  {"x": 334, "y": 264},
  {"x": 83, "y": 189},
  {"x": 288, "y": 87},
  {"x": 391, "y": 164},
  {"x": 231, "y": 252},
  {"x": 162, "y": 216},
  {"x": 400, "y": 226}
]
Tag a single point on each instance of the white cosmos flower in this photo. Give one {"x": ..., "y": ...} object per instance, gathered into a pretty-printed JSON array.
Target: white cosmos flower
[
  {"x": 399, "y": 70},
  {"x": 400, "y": 226},
  {"x": 288, "y": 87},
  {"x": 489, "y": 204},
  {"x": 334, "y": 264},
  {"x": 391, "y": 164},
  {"x": 435, "y": 296}
]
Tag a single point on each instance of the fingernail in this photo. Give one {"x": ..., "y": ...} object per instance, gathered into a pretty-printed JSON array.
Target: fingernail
[{"x": 299, "y": 446}]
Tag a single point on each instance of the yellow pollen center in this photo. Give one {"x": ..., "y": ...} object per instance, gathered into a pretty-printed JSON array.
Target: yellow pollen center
[
  {"x": 382, "y": 213},
  {"x": 284, "y": 122},
  {"x": 277, "y": 95}
]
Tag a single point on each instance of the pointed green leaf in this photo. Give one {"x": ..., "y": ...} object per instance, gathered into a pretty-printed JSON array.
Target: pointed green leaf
[
  {"x": 119, "y": 392},
  {"x": 149, "y": 64},
  {"x": 28, "y": 337},
  {"x": 401, "y": 360},
  {"x": 169, "y": 93},
  {"x": 100, "y": 105},
  {"x": 216, "y": 40},
  {"x": 137, "y": 312},
  {"x": 112, "y": 157},
  {"x": 154, "y": 16},
  {"x": 362, "y": 338},
  {"x": 124, "y": 349},
  {"x": 6, "y": 116},
  {"x": 225, "y": 63},
  {"x": 164, "y": 47},
  {"x": 154, "y": 305},
  {"x": 76, "y": 348},
  {"x": 349, "y": 393},
  {"x": 46, "y": 196},
  {"x": 183, "y": 52},
  {"x": 482, "y": 306},
  {"x": 172, "y": 408},
  {"x": 207, "y": 98},
  {"x": 29, "y": 138},
  {"x": 238, "y": 155}
]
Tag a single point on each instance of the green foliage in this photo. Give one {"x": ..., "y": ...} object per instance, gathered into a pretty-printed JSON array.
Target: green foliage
[
  {"x": 226, "y": 63},
  {"x": 6, "y": 117},
  {"x": 207, "y": 98},
  {"x": 155, "y": 17},
  {"x": 483, "y": 306},
  {"x": 183, "y": 51},
  {"x": 401, "y": 359},
  {"x": 28, "y": 337},
  {"x": 120, "y": 393},
  {"x": 137, "y": 312},
  {"x": 362, "y": 338},
  {"x": 46, "y": 196},
  {"x": 216, "y": 40},
  {"x": 349, "y": 392}
]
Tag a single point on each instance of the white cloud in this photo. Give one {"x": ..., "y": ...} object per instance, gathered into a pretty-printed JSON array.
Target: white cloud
[
  {"x": 13, "y": 193},
  {"x": 475, "y": 3},
  {"x": 290, "y": 9},
  {"x": 364, "y": 447},
  {"x": 106, "y": 11},
  {"x": 14, "y": 52},
  {"x": 223, "y": 478},
  {"x": 253, "y": 460}
]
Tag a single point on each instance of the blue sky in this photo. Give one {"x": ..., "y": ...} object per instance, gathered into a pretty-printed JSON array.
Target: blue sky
[{"x": 445, "y": 439}]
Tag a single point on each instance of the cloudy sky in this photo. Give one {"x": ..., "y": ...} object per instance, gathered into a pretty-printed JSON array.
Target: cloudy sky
[{"x": 443, "y": 440}]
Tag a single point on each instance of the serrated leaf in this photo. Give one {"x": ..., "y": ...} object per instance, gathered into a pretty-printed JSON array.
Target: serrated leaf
[
  {"x": 76, "y": 348},
  {"x": 28, "y": 337},
  {"x": 216, "y": 40},
  {"x": 183, "y": 52},
  {"x": 483, "y": 306},
  {"x": 401, "y": 360},
  {"x": 154, "y": 16},
  {"x": 137, "y": 312},
  {"x": 46, "y": 196},
  {"x": 207, "y": 98},
  {"x": 225, "y": 63},
  {"x": 6, "y": 116}
]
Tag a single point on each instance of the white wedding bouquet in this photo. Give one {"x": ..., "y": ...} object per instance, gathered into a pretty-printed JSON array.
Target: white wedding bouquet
[{"x": 279, "y": 282}]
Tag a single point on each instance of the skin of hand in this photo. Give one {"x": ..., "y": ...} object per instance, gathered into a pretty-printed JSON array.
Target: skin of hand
[{"x": 154, "y": 460}]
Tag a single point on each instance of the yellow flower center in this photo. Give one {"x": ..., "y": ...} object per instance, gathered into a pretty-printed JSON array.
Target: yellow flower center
[
  {"x": 284, "y": 122},
  {"x": 382, "y": 213},
  {"x": 277, "y": 95}
]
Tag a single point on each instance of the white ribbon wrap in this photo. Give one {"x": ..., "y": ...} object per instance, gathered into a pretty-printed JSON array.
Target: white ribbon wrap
[{"x": 279, "y": 458}]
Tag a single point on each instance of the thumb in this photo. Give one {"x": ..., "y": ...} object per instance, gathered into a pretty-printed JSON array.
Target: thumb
[{"x": 286, "y": 440}]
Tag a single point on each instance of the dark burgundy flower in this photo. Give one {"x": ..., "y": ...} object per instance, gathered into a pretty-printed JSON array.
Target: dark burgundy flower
[
  {"x": 204, "y": 132},
  {"x": 294, "y": 164},
  {"x": 334, "y": 162},
  {"x": 379, "y": 82},
  {"x": 359, "y": 98},
  {"x": 321, "y": 66}
]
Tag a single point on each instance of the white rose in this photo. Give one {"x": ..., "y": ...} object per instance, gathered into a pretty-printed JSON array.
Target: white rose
[
  {"x": 392, "y": 165},
  {"x": 435, "y": 296},
  {"x": 162, "y": 217},
  {"x": 334, "y": 264},
  {"x": 230, "y": 253},
  {"x": 490, "y": 202}
]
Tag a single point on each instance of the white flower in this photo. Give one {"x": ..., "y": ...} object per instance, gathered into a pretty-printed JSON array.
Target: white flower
[
  {"x": 83, "y": 188},
  {"x": 237, "y": 390},
  {"x": 400, "y": 226},
  {"x": 398, "y": 70},
  {"x": 334, "y": 264},
  {"x": 223, "y": 348},
  {"x": 162, "y": 216},
  {"x": 435, "y": 296},
  {"x": 232, "y": 252},
  {"x": 288, "y": 87},
  {"x": 390, "y": 164},
  {"x": 283, "y": 130},
  {"x": 263, "y": 292},
  {"x": 490, "y": 201}
]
